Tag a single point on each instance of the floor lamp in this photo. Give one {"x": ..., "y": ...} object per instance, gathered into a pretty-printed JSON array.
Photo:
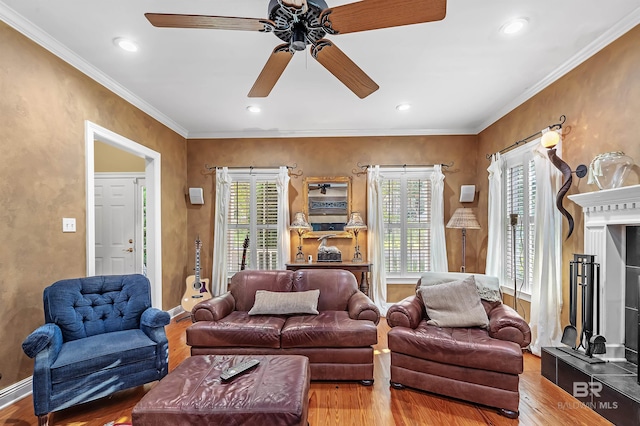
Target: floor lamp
[
  {"x": 464, "y": 219},
  {"x": 300, "y": 225}
]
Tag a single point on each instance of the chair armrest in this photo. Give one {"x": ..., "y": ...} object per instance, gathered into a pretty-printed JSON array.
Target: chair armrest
[
  {"x": 362, "y": 308},
  {"x": 406, "y": 313},
  {"x": 48, "y": 336},
  {"x": 214, "y": 309},
  {"x": 154, "y": 317},
  {"x": 507, "y": 324}
]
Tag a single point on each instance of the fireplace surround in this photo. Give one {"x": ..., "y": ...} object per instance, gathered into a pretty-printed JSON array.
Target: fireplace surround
[{"x": 607, "y": 214}]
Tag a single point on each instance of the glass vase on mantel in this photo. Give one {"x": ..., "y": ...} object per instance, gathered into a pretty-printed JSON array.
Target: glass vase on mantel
[{"x": 608, "y": 170}]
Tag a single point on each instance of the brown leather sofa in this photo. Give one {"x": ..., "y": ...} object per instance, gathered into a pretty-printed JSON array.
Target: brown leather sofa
[
  {"x": 473, "y": 364},
  {"x": 338, "y": 340}
]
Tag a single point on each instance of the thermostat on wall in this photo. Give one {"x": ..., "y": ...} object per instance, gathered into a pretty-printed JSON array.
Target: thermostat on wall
[{"x": 196, "y": 196}]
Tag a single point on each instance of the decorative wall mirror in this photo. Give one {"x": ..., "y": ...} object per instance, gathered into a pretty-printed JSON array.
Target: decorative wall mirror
[{"x": 327, "y": 205}]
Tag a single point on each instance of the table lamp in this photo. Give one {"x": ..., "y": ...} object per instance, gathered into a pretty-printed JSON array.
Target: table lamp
[
  {"x": 300, "y": 225},
  {"x": 356, "y": 224}
]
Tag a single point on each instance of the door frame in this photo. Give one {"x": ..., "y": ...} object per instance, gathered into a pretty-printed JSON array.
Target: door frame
[
  {"x": 152, "y": 175},
  {"x": 138, "y": 178}
]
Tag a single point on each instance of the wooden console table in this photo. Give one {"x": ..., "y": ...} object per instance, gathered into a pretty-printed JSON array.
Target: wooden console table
[{"x": 354, "y": 268}]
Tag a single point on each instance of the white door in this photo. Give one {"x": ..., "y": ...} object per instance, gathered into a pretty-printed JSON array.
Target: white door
[{"x": 117, "y": 245}]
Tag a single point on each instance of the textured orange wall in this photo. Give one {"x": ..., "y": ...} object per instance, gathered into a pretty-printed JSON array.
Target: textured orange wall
[
  {"x": 601, "y": 100},
  {"x": 43, "y": 105},
  {"x": 336, "y": 156},
  {"x": 111, "y": 159}
]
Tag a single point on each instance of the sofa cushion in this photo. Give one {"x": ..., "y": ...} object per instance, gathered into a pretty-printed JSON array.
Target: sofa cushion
[
  {"x": 465, "y": 347},
  {"x": 82, "y": 357},
  {"x": 285, "y": 303},
  {"x": 237, "y": 329},
  {"x": 454, "y": 304},
  {"x": 488, "y": 286},
  {"x": 84, "y": 307},
  {"x": 244, "y": 285},
  {"x": 336, "y": 287},
  {"x": 328, "y": 329}
]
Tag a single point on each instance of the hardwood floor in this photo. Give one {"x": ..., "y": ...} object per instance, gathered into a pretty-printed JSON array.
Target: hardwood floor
[{"x": 337, "y": 403}]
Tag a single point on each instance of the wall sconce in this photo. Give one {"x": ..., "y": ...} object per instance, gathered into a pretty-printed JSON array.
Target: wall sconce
[
  {"x": 356, "y": 224},
  {"x": 300, "y": 225},
  {"x": 463, "y": 218},
  {"x": 552, "y": 136}
]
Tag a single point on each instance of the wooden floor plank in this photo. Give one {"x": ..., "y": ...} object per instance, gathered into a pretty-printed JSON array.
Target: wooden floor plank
[{"x": 338, "y": 403}]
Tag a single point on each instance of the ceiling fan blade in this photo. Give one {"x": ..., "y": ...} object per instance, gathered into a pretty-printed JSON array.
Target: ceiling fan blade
[
  {"x": 368, "y": 15},
  {"x": 271, "y": 72},
  {"x": 343, "y": 68},
  {"x": 167, "y": 20}
]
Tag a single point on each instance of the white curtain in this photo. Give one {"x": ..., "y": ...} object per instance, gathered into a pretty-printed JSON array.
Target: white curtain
[
  {"x": 546, "y": 291},
  {"x": 284, "y": 236},
  {"x": 219, "y": 265},
  {"x": 439, "y": 261},
  {"x": 495, "y": 242},
  {"x": 375, "y": 239}
]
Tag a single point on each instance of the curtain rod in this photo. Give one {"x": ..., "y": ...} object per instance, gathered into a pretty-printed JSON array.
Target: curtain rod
[
  {"x": 528, "y": 138},
  {"x": 364, "y": 167},
  {"x": 209, "y": 168}
]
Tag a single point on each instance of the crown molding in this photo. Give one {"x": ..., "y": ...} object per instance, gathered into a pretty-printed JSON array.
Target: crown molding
[
  {"x": 36, "y": 34},
  {"x": 329, "y": 133},
  {"x": 613, "y": 33}
]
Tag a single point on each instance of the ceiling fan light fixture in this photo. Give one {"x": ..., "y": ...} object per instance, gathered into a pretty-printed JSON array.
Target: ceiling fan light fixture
[
  {"x": 298, "y": 37},
  {"x": 403, "y": 107},
  {"x": 125, "y": 44},
  {"x": 254, "y": 109},
  {"x": 514, "y": 26}
]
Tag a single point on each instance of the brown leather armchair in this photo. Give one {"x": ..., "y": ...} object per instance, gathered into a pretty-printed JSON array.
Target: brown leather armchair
[{"x": 473, "y": 364}]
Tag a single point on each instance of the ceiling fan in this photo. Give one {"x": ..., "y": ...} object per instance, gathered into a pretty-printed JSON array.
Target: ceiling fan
[{"x": 306, "y": 22}]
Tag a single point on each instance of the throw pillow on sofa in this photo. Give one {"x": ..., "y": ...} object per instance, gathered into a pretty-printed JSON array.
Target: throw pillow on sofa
[
  {"x": 454, "y": 304},
  {"x": 285, "y": 303}
]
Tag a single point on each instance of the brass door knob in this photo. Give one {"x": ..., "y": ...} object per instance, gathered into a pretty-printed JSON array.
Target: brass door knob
[{"x": 130, "y": 250}]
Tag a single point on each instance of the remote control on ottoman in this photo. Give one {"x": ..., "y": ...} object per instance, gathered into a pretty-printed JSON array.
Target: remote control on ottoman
[{"x": 238, "y": 369}]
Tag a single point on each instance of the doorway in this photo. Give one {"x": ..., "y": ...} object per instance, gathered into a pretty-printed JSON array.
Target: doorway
[{"x": 94, "y": 132}]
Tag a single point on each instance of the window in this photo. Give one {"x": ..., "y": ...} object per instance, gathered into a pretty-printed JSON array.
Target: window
[
  {"x": 520, "y": 206},
  {"x": 407, "y": 221},
  {"x": 253, "y": 217}
]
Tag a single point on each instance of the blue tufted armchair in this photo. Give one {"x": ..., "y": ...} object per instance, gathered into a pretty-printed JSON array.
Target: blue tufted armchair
[{"x": 101, "y": 336}]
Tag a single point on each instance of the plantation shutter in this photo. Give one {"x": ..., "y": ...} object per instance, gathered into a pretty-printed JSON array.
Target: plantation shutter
[
  {"x": 253, "y": 212},
  {"x": 239, "y": 224},
  {"x": 521, "y": 198},
  {"x": 406, "y": 201},
  {"x": 266, "y": 225}
]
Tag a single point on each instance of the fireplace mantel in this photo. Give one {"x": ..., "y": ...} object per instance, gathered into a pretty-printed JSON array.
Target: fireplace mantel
[
  {"x": 608, "y": 200},
  {"x": 606, "y": 215}
]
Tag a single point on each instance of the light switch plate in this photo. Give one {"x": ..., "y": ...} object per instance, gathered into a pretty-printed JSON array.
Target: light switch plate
[{"x": 68, "y": 224}]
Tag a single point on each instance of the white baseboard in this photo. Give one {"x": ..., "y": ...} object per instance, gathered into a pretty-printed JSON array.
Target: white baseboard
[{"x": 15, "y": 392}]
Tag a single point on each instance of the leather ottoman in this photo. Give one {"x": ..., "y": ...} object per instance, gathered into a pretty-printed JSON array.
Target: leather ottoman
[{"x": 276, "y": 392}]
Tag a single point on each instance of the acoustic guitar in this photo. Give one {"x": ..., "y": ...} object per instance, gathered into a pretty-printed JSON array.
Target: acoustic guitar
[
  {"x": 245, "y": 245},
  {"x": 196, "y": 287}
]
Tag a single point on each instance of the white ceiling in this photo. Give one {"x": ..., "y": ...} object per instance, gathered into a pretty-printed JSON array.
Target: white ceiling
[{"x": 459, "y": 74}]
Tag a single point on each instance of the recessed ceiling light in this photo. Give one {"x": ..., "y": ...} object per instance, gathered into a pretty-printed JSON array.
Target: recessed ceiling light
[
  {"x": 514, "y": 26},
  {"x": 403, "y": 107},
  {"x": 253, "y": 108},
  {"x": 125, "y": 44}
]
